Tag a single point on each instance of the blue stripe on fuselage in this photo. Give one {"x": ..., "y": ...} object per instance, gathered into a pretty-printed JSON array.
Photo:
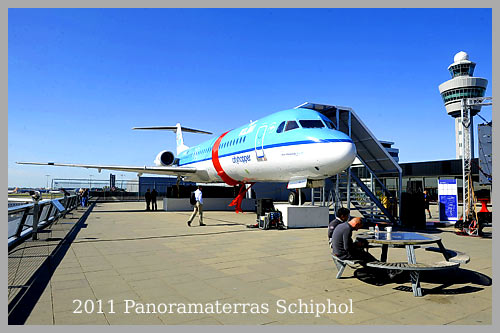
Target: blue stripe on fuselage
[
  {"x": 276, "y": 145},
  {"x": 243, "y": 139}
]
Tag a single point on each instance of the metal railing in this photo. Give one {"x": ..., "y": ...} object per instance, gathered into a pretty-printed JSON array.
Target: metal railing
[{"x": 28, "y": 219}]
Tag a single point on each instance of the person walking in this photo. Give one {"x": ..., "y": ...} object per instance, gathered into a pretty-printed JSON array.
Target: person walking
[
  {"x": 198, "y": 207},
  {"x": 84, "y": 196},
  {"x": 154, "y": 194},
  {"x": 147, "y": 196},
  {"x": 427, "y": 200}
]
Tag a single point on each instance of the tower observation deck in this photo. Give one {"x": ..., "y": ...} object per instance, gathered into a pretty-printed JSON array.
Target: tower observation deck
[{"x": 461, "y": 85}]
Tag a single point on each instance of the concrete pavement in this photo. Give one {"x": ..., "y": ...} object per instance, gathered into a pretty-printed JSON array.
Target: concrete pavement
[{"x": 124, "y": 259}]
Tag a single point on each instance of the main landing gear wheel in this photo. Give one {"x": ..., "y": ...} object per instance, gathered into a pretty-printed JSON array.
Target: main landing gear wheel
[{"x": 293, "y": 198}]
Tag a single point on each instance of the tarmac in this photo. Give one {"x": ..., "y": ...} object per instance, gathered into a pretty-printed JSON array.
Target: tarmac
[{"x": 120, "y": 260}]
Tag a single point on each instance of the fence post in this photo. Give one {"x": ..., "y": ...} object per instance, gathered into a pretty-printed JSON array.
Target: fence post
[{"x": 35, "y": 220}]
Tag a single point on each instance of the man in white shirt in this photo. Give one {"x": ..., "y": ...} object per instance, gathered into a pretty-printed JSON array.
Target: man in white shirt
[{"x": 198, "y": 207}]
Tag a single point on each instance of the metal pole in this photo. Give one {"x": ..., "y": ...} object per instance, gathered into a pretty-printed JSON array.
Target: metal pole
[
  {"x": 323, "y": 189},
  {"x": 337, "y": 194},
  {"x": 349, "y": 123},
  {"x": 349, "y": 169},
  {"x": 400, "y": 190},
  {"x": 35, "y": 220},
  {"x": 464, "y": 196}
]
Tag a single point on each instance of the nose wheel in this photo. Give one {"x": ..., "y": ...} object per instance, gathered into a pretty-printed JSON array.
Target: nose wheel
[{"x": 293, "y": 198}]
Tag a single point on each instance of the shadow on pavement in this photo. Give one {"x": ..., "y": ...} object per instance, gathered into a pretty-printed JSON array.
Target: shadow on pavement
[{"x": 445, "y": 279}]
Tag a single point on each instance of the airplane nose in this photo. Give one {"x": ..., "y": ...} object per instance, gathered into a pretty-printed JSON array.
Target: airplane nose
[
  {"x": 345, "y": 151},
  {"x": 350, "y": 153}
]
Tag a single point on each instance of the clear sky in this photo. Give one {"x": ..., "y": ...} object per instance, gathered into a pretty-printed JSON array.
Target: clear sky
[{"x": 80, "y": 79}]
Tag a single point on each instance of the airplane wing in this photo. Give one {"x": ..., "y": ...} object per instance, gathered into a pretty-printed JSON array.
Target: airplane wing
[
  {"x": 158, "y": 170},
  {"x": 172, "y": 128}
]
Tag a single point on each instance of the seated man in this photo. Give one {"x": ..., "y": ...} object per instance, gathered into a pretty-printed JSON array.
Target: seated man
[
  {"x": 342, "y": 245},
  {"x": 342, "y": 216}
]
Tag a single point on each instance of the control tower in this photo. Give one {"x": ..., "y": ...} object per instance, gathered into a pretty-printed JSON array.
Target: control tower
[{"x": 462, "y": 85}]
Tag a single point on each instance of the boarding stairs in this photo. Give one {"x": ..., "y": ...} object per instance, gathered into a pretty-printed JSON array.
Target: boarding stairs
[
  {"x": 358, "y": 195},
  {"x": 360, "y": 186}
]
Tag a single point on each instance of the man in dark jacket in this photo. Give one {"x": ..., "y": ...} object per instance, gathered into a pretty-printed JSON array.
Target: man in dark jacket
[
  {"x": 342, "y": 245},
  {"x": 147, "y": 196},
  {"x": 154, "y": 194},
  {"x": 342, "y": 216}
]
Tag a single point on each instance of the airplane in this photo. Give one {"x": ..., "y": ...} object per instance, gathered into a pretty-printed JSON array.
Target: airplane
[
  {"x": 12, "y": 191},
  {"x": 298, "y": 146}
]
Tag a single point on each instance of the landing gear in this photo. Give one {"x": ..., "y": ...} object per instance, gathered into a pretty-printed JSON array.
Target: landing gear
[{"x": 293, "y": 198}]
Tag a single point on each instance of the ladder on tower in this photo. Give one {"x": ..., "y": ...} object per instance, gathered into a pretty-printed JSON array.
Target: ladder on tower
[{"x": 469, "y": 224}]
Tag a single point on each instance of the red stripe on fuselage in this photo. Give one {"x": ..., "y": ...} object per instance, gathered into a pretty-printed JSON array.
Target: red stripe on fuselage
[{"x": 215, "y": 161}]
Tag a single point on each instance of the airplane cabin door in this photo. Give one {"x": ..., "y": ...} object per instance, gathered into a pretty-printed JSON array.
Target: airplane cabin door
[{"x": 259, "y": 142}]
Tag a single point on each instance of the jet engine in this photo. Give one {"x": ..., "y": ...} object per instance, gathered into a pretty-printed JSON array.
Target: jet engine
[{"x": 164, "y": 158}]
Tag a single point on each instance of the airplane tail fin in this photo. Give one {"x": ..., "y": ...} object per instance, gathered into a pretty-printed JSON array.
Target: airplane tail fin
[
  {"x": 179, "y": 140},
  {"x": 178, "y": 134}
]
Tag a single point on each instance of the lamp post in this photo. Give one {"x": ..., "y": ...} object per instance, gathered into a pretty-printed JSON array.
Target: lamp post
[{"x": 90, "y": 182}]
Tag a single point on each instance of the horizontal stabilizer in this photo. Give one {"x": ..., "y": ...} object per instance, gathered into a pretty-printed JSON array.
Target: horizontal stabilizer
[{"x": 172, "y": 128}]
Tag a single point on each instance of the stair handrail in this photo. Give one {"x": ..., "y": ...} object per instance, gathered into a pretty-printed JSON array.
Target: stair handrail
[
  {"x": 373, "y": 198},
  {"x": 374, "y": 175}
]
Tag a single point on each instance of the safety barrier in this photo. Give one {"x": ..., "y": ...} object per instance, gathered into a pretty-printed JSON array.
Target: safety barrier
[{"x": 28, "y": 219}]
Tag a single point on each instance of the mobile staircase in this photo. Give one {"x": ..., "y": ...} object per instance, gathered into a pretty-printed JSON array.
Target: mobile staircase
[{"x": 360, "y": 186}]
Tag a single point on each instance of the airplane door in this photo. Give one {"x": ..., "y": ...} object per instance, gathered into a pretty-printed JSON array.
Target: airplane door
[{"x": 259, "y": 142}]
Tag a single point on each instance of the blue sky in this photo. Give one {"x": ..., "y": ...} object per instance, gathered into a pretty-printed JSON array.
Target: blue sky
[{"x": 80, "y": 79}]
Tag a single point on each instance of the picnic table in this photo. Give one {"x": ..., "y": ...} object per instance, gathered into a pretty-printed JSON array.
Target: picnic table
[
  {"x": 399, "y": 239},
  {"x": 411, "y": 241}
]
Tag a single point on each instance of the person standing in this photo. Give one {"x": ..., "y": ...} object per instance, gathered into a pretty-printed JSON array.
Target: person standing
[
  {"x": 147, "y": 196},
  {"x": 86, "y": 194},
  {"x": 198, "y": 207},
  {"x": 427, "y": 200},
  {"x": 154, "y": 194}
]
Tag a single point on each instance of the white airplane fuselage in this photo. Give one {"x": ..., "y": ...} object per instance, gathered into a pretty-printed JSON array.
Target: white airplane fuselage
[{"x": 271, "y": 150}]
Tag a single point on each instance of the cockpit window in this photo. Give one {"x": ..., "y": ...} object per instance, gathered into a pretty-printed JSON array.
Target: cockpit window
[
  {"x": 280, "y": 127},
  {"x": 330, "y": 124},
  {"x": 311, "y": 123},
  {"x": 291, "y": 125}
]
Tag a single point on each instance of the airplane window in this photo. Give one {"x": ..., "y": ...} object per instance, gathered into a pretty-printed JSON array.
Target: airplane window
[
  {"x": 291, "y": 125},
  {"x": 311, "y": 123},
  {"x": 244, "y": 138},
  {"x": 280, "y": 127}
]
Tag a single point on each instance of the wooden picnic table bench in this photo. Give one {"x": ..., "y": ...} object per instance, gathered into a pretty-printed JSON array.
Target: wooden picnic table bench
[
  {"x": 342, "y": 263},
  {"x": 454, "y": 256},
  {"x": 415, "y": 270},
  {"x": 411, "y": 241}
]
